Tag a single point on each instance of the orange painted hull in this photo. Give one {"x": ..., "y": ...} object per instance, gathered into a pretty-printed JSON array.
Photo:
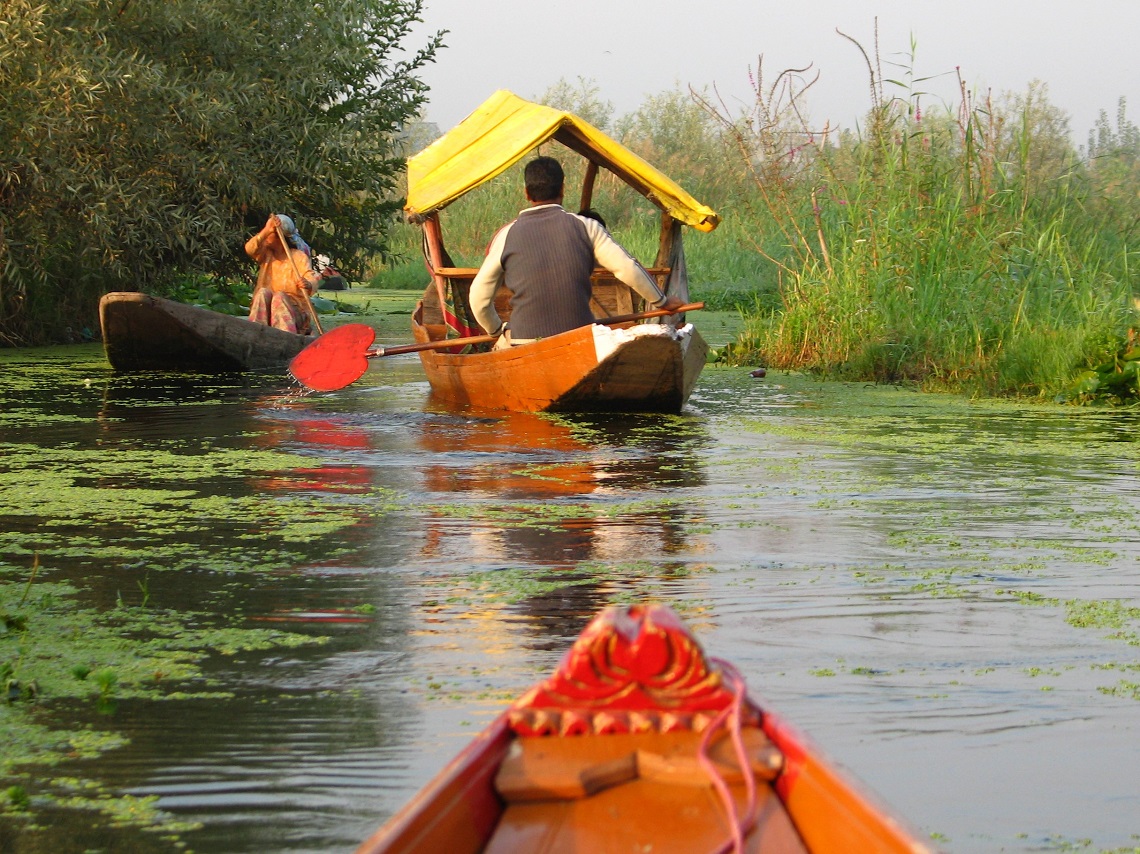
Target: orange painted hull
[
  {"x": 564, "y": 373},
  {"x": 805, "y": 805}
]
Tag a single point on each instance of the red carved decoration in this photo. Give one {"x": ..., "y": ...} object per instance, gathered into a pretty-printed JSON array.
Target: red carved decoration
[{"x": 631, "y": 670}]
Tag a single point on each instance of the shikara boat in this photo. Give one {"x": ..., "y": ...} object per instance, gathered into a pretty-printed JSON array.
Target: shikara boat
[
  {"x": 147, "y": 333},
  {"x": 643, "y": 368},
  {"x": 638, "y": 742},
  {"x": 586, "y": 369}
]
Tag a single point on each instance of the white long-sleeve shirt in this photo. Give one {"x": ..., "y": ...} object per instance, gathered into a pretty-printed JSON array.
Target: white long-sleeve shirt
[{"x": 560, "y": 251}]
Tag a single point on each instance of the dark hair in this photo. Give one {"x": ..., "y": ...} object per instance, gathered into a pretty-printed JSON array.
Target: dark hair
[
  {"x": 590, "y": 213},
  {"x": 544, "y": 179}
]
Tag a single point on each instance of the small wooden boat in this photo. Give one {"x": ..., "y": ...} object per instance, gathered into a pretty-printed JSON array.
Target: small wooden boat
[
  {"x": 584, "y": 369},
  {"x": 146, "y": 333},
  {"x": 644, "y": 368},
  {"x": 640, "y": 743}
]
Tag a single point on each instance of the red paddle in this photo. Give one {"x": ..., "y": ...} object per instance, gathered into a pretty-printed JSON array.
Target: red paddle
[{"x": 340, "y": 356}]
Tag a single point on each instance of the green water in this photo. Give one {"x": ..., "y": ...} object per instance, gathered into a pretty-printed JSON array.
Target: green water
[{"x": 259, "y": 621}]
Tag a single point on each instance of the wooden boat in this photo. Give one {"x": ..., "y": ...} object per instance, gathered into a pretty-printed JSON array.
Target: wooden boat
[
  {"x": 146, "y": 333},
  {"x": 645, "y": 368},
  {"x": 639, "y": 743},
  {"x": 580, "y": 370}
]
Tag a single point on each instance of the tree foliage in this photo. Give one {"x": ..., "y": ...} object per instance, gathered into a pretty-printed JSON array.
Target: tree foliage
[
  {"x": 1114, "y": 166},
  {"x": 582, "y": 98},
  {"x": 145, "y": 140}
]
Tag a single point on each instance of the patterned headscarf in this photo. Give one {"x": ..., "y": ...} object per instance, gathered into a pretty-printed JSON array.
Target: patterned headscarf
[{"x": 289, "y": 228}]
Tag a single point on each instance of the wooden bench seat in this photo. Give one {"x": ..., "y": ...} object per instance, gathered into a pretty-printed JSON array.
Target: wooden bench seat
[
  {"x": 469, "y": 272},
  {"x": 632, "y": 792}
]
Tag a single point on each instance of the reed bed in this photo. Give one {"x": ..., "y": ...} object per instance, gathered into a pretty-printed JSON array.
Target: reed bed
[
  {"x": 969, "y": 248},
  {"x": 958, "y": 250}
]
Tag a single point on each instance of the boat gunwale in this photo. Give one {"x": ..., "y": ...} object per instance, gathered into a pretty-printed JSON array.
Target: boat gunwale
[{"x": 194, "y": 339}]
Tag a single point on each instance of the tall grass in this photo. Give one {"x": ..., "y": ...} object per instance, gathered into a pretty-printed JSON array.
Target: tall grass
[
  {"x": 955, "y": 250},
  {"x": 968, "y": 248}
]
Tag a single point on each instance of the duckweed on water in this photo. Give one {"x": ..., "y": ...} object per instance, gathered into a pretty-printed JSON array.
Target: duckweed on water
[
  {"x": 70, "y": 652},
  {"x": 161, "y": 507},
  {"x": 74, "y": 652},
  {"x": 1102, "y": 614},
  {"x": 930, "y": 469}
]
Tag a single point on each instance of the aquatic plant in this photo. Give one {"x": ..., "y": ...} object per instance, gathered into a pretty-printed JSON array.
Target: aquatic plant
[
  {"x": 953, "y": 249},
  {"x": 17, "y": 798}
]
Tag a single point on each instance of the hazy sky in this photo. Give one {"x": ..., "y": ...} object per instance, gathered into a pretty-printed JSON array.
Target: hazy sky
[{"x": 1086, "y": 51}]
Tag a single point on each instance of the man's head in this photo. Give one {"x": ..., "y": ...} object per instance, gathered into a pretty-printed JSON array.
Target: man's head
[{"x": 544, "y": 180}]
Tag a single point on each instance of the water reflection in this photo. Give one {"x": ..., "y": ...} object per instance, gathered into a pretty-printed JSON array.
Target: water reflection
[
  {"x": 943, "y": 593},
  {"x": 337, "y": 448},
  {"x": 557, "y": 485}
]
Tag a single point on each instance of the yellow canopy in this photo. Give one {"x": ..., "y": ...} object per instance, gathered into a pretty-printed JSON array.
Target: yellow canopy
[{"x": 504, "y": 129}]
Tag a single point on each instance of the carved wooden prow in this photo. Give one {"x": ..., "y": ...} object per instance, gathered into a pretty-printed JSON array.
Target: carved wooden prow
[{"x": 632, "y": 669}]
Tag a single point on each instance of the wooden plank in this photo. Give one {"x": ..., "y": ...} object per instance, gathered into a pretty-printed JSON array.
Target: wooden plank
[
  {"x": 643, "y": 816},
  {"x": 599, "y": 272},
  {"x": 530, "y": 773},
  {"x": 588, "y": 185},
  {"x": 434, "y": 240},
  {"x": 669, "y": 230},
  {"x": 545, "y": 768},
  {"x": 457, "y": 272}
]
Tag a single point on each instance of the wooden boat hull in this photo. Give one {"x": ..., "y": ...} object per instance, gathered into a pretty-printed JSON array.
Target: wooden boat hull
[
  {"x": 147, "y": 333},
  {"x": 582, "y": 370},
  {"x": 481, "y": 802}
]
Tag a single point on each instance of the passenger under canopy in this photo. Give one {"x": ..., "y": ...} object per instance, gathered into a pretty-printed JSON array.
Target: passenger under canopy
[{"x": 498, "y": 134}]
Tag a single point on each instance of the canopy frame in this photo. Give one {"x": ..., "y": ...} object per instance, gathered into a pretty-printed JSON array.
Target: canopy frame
[{"x": 504, "y": 129}]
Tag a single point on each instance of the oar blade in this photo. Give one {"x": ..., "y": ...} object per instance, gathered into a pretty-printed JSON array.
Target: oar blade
[{"x": 337, "y": 358}]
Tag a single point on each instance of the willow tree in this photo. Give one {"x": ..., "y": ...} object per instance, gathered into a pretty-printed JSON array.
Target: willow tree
[{"x": 140, "y": 141}]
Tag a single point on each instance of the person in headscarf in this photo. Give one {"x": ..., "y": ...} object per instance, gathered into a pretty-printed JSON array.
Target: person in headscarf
[{"x": 286, "y": 279}]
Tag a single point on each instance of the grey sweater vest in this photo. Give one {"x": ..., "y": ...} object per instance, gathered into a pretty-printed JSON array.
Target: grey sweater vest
[{"x": 547, "y": 261}]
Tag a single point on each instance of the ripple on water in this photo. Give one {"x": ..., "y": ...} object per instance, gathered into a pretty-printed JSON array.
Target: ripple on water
[{"x": 923, "y": 584}]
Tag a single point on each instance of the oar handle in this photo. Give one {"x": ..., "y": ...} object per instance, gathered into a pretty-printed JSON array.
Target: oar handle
[
  {"x": 430, "y": 345},
  {"x": 448, "y": 343},
  {"x": 654, "y": 312}
]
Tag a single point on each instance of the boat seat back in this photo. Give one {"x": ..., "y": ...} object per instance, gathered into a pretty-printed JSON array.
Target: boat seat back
[
  {"x": 633, "y": 792},
  {"x": 610, "y": 297}
]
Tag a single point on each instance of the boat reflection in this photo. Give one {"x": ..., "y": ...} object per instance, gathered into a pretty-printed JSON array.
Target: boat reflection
[{"x": 556, "y": 491}]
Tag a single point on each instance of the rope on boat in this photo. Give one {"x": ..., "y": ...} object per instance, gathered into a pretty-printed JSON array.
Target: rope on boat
[{"x": 731, "y": 716}]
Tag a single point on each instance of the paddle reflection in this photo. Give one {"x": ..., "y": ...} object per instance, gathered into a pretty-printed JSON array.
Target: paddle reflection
[{"x": 334, "y": 441}]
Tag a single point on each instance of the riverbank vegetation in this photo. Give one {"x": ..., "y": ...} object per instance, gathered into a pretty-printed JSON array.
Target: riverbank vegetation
[
  {"x": 970, "y": 247},
  {"x": 146, "y": 141}
]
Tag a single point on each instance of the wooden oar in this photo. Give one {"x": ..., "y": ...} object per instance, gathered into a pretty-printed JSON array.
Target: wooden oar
[
  {"x": 304, "y": 291},
  {"x": 340, "y": 356}
]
